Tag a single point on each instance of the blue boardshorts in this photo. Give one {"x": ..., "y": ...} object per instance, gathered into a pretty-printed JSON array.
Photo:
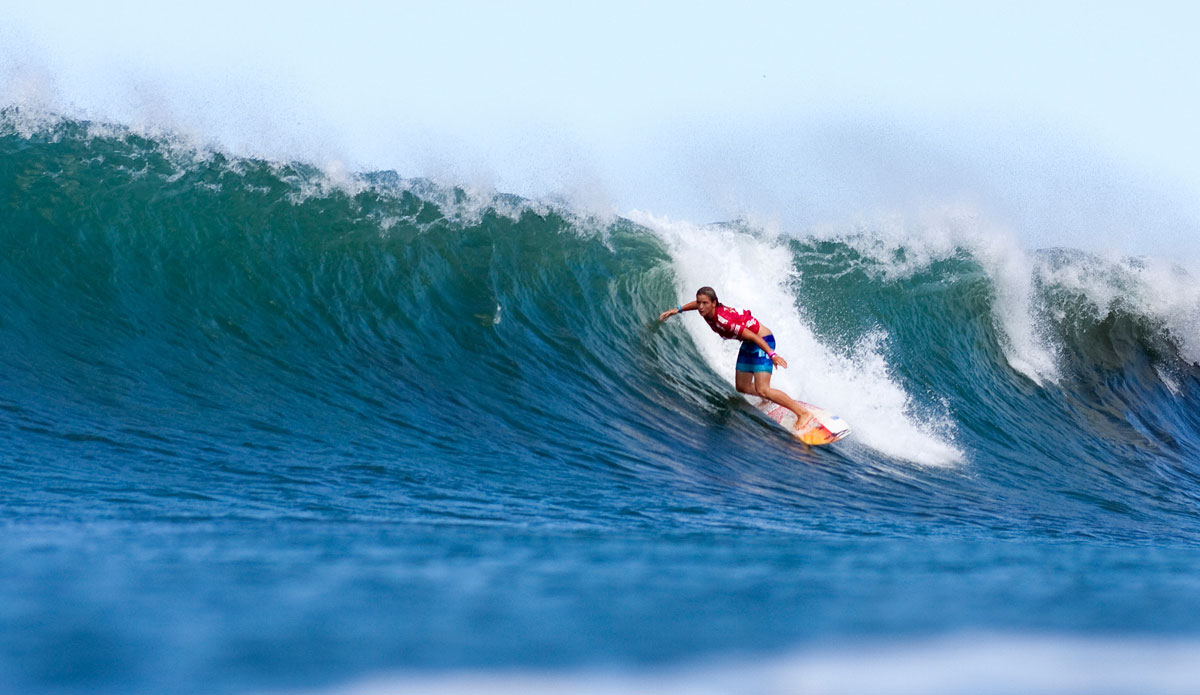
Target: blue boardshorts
[{"x": 751, "y": 358}]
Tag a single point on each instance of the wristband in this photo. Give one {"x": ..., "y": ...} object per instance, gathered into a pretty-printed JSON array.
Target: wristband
[
  {"x": 679, "y": 309},
  {"x": 771, "y": 355}
]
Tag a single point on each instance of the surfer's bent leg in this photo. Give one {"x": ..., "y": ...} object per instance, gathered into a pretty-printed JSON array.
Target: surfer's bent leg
[
  {"x": 750, "y": 360},
  {"x": 744, "y": 381},
  {"x": 762, "y": 384},
  {"x": 753, "y": 364}
]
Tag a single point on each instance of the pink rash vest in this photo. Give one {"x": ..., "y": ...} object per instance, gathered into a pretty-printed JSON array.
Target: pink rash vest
[{"x": 729, "y": 323}]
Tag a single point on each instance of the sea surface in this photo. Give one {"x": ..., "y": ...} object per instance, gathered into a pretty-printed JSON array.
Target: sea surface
[{"x": 270, "y": 429}]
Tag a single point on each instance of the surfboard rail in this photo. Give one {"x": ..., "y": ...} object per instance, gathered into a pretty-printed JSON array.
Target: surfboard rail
[{"x": 822, "y": 428}]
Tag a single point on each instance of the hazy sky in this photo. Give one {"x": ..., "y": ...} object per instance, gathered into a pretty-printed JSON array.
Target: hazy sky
[{"x": 1058, "y": 118}]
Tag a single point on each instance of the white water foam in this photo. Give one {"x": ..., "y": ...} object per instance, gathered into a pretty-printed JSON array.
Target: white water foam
[
  {"x": 967, "y": 663},
  {"x": 757, "y": 273}
]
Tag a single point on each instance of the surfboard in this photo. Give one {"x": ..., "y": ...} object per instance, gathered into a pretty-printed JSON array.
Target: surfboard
[{"x": 823, "y": 428}]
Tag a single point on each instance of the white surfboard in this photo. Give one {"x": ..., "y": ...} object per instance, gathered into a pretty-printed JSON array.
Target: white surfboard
[{"x": 823, "y": 428}]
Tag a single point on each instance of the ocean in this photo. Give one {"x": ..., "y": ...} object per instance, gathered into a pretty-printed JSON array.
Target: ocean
[{"x": 266, "y": 428}]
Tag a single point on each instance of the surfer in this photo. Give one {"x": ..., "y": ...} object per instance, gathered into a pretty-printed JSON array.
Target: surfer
[{"x": 756, "y": 359}]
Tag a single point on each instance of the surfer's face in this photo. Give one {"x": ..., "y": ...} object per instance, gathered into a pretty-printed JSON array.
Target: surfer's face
[{"x": 705, "y": 306}]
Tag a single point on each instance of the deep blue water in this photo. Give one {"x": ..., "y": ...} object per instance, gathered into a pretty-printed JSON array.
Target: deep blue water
[{"x": 262, "y": 431}]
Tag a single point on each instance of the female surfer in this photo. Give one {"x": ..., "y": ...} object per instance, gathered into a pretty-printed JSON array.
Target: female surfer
[{"x": 757, "y": 357}]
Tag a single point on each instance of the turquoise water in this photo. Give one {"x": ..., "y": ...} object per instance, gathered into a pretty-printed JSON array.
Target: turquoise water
[{"x": 266, "y": 430}]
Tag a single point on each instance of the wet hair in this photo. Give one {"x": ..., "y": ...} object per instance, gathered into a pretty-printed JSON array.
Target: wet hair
[{"x": 710, "y": 293}]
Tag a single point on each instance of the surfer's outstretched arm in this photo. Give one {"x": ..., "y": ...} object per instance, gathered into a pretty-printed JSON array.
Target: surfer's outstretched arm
[{"x": 690, "y": 306}]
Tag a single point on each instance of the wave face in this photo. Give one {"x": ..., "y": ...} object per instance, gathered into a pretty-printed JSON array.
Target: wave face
[{"x": 242, "y": 389}]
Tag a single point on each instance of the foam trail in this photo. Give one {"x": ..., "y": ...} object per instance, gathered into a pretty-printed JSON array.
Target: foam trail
[
  {"x": 755, "y": 273},
  {"x": 1009, "y": 268},
  {"x": 958, "y": 664}
]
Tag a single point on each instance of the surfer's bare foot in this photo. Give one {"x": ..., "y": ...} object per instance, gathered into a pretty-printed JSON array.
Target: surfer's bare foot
[{"x": 804, "y": 422}]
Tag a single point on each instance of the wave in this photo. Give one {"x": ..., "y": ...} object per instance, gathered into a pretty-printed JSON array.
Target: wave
[{"x": 169, "y": 298}]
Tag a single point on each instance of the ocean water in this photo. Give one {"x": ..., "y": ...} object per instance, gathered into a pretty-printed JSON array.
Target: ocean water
[{"x": 268, "y": 429}]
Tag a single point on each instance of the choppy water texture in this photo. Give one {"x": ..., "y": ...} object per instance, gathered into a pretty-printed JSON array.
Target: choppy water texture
[{"x": 264, "y": 429}]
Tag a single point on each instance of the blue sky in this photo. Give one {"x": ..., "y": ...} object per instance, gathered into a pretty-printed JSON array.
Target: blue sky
[{"x": 1056, "y": 118}]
